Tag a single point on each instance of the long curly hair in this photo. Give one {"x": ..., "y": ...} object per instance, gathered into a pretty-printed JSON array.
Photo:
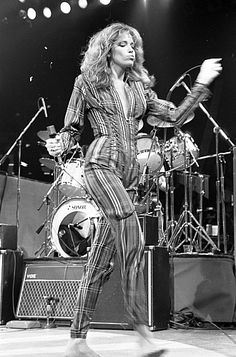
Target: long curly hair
[{"x": 95, "y": 61}]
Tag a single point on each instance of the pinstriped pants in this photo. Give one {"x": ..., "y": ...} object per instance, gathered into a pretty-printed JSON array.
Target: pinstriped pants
[{"x": 118, "y": 232}]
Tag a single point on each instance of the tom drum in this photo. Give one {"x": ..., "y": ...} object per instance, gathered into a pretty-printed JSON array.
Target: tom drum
[
  {"x": 149, "y": 153},
  {"x": 72, "y": 179}
]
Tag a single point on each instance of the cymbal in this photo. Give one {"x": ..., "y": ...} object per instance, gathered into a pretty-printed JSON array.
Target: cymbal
[
  {"x": 49, "y": 163},
  {"x": 158, "y": 122},
  {"x": 43, "y": 134}
]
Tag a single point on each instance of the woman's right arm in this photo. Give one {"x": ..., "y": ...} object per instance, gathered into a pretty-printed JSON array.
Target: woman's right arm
[{"x": 73, "y": 122}]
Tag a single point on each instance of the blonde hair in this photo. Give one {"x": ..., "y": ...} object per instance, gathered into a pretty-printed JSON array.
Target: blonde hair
[{"x": 95, "y": 64}]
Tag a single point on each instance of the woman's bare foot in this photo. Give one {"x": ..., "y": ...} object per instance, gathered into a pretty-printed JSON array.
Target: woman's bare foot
[
  {"x": 77, "y": 347},
  {"x": 147, "y": 346}
]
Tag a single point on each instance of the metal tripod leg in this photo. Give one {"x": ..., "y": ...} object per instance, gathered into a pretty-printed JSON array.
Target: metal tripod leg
[
  {"x": 181, "y": 227},
  {"x": 187, "y": 222}
]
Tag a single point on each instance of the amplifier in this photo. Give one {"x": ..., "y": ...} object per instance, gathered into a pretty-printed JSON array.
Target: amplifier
[
  {"x": 60, "y": 281},
  {"x": 110, "y": 311},
  {"x": 11, "y": 274},
  {"x": 150, "y": 227},
  {"x": 8, "y": 236},
  {"x": 57, "y": 279}
]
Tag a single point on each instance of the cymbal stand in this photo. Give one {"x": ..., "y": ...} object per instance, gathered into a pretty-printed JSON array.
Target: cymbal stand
[
  {"x": 159, "y": 215},
  {"x": 216, "y": 131},
  {"x": 219, "y": 130},
  {"x": 145, "y": 167},
  {"x": 170, "y": 221},
  {"x": 223, "y": 212},
  {"x": 200, "y": 209},
  {"x": 187, "y": 220},
  {"x": 220, "y": 194},
  {"x": 167, "y": 176},
  {"x": 190, "y": 191},
  {"x": 46, "y": 245}
]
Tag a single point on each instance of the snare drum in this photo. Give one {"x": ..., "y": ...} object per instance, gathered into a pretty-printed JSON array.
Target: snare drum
[
  {"x": 73, "y": 226},
  {"x": 149, "y": 153},
  {"x": 72, "y": 180}
]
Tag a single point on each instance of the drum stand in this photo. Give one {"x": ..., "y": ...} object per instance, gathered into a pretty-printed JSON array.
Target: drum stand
[
  {"x": 146, "y": 198},
  {"x": 46, "y": 247},
  {"x": 169, "y": 224},
  {"x": 188, "y": 223}
]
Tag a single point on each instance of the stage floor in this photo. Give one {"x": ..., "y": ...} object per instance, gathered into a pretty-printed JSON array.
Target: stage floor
[{"x": 118, "y": 343}]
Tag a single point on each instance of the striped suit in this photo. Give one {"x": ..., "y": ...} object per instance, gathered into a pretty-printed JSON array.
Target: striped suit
[{"x": 111, "y": 176}]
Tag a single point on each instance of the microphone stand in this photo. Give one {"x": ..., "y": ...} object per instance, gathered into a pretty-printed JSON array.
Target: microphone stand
[
  {"x": 18, "y": 142},
  {"x": 220, "y": 195}
]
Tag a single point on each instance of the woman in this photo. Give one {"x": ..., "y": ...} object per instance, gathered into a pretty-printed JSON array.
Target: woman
[{"x": 114, "y": 93}]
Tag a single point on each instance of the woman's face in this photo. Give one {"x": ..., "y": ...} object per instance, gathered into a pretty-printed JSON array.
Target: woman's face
[{"x": 122, "y": 52}]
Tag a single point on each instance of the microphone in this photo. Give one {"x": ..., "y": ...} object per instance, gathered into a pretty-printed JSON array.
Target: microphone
[
  {"x": 44, "y": 107},
  {"x": 178, "y": 82},
  {"x": 52, "y": 134}
]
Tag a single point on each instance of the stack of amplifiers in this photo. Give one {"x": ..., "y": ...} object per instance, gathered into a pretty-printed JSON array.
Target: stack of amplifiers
[{"x": 59, "y": 279}]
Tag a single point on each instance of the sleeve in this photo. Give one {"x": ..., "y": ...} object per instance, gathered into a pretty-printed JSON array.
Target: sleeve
[
  {"x": 74, "y": 117},
  {"x": 166, "y": 111}
]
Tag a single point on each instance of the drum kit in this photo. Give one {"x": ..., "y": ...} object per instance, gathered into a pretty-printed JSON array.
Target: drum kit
[
  {"x": 73, "y": 216},
  {"x": 158, "y": 163}
]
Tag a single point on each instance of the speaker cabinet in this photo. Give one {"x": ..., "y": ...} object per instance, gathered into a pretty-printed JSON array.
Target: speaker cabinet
[
  {"x": 8, "y": 236},
  {"x": 11, "y": 274},
  {"x": 110, "y": 310},
  {"x": 150, "y": 230},
  {"x": 60, "y": 281}
]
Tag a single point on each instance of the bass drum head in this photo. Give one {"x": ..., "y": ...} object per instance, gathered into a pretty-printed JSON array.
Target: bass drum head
[{"x": 73, "y": 226}]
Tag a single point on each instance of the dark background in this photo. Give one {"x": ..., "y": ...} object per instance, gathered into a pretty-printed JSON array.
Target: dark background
[{"x": 40, "y": 58}]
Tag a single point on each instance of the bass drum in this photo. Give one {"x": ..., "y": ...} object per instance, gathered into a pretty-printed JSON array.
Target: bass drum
[{"x": 73, "y": 227}]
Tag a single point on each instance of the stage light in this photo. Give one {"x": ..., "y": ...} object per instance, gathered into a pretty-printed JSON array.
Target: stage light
[
  {"x": 105, "y": 2},
  {"x": 83, "y": 3},
  {"x": 23, "y": 14},
  {"x": 31, "y": 13},
  {"x": 65, "y": 7},
  {"x": 47, "y": 12},
  {"x": 22, "y": 1}
]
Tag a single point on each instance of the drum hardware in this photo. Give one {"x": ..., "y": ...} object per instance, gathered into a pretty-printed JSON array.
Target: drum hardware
[
  {"x": 170, "y": 223},
  {"x": 187, "y": 223},
  {"x": 220, "y": 192},
  {"x": 151, "y": 202},
  {"x": 46, "y": 247},
  {"x": 214, "y": 155},
  {"x": 200, "y": 210},
  {"x": 149, "y": 153}
]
